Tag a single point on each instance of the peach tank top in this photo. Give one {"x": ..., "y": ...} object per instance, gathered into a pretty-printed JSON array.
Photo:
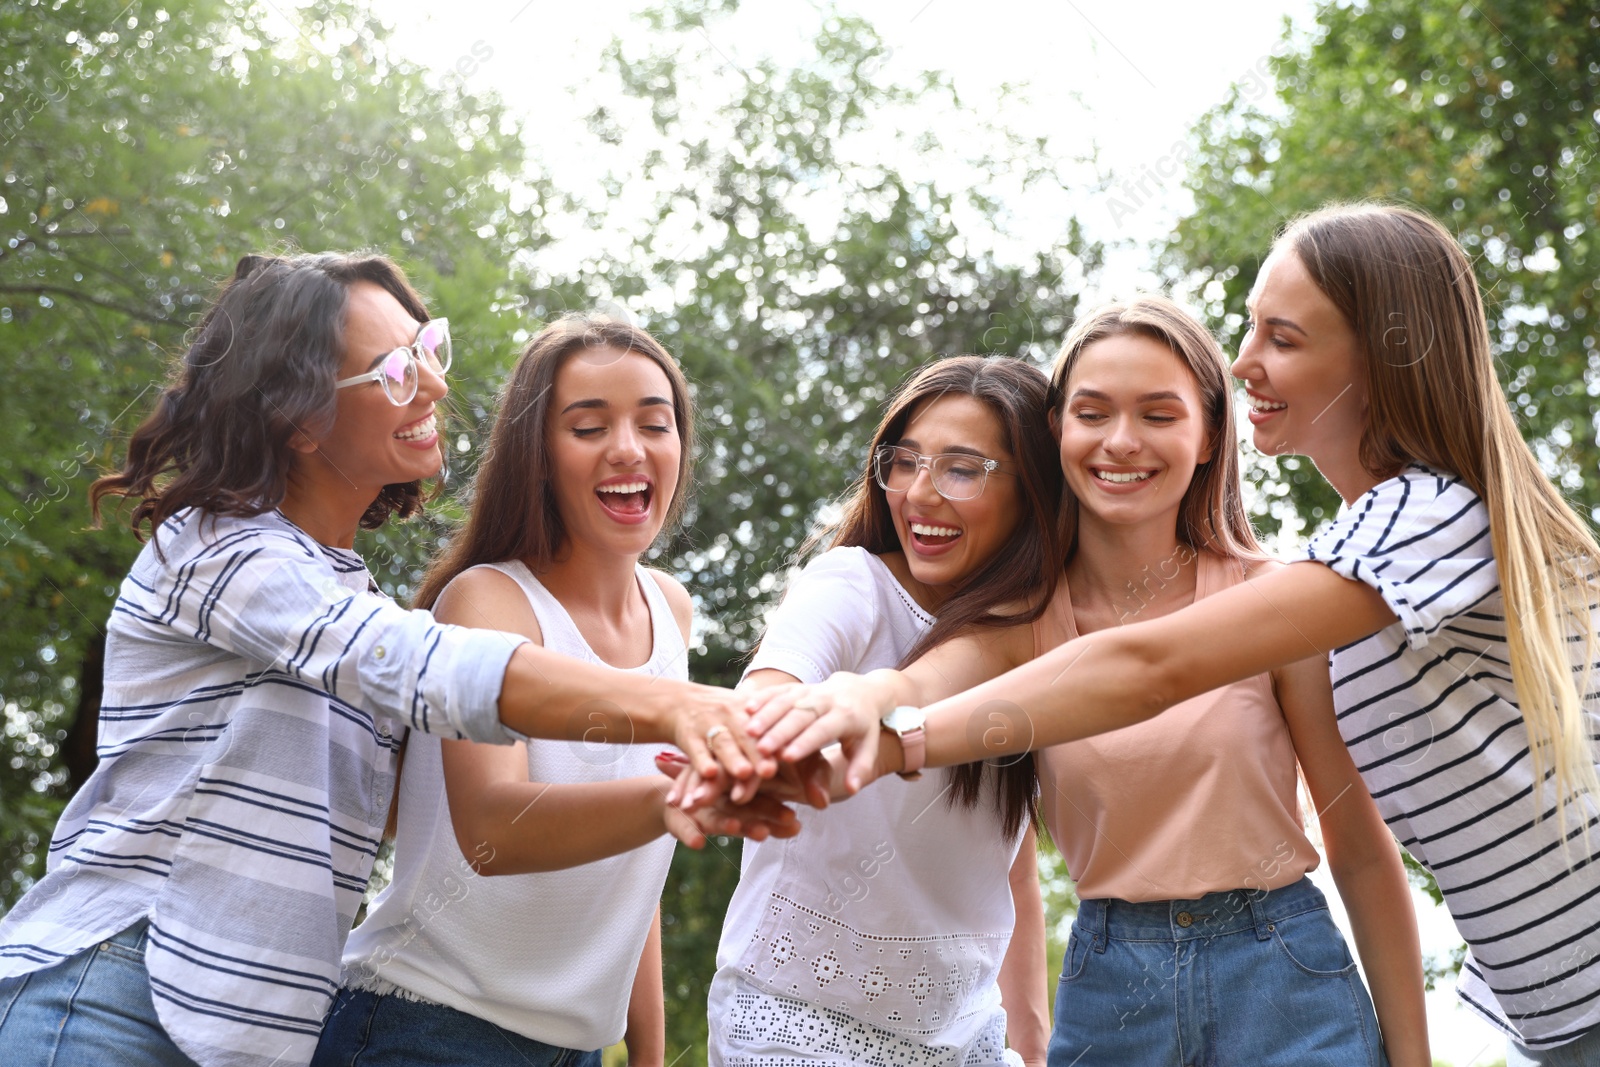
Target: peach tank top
[{"x": 1202, "y": 798}]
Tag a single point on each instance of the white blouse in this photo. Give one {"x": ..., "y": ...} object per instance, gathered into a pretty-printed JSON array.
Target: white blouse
[
  {"x": 885, "y": 922},
  {"x": 550, "y": 955}
]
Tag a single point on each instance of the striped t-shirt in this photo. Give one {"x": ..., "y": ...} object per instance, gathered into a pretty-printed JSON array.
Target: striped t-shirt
[
  {"x": 1430, "y": 715},
  {"x": 257, "y": 687}
]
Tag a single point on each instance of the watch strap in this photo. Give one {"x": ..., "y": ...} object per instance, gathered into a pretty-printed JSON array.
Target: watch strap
[{"x": 914, "y": 749}]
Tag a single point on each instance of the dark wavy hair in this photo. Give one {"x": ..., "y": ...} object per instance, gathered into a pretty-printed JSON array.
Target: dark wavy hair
[
  {"x": 514, "y": 513},
  {"x": 260, "y": 369},
  {"x": 1014, "y": 585}
]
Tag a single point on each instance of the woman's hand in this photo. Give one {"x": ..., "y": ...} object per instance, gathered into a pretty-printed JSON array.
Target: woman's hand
[
  {"x": 794, "y": 722},
  {"x": 710, "y": 728},
  {"x": 806, "y": 782},
  {"x": 803, "y": 783},
  {"x": 758, "y": 820},
  {"x": 762, "y": 817}
]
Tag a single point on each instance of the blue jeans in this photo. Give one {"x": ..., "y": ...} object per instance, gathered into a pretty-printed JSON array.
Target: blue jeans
[
  {"x": 375, "y": 1030},
  {"x": 1259, "y": 978},
  {"x": 89, "y": 1010},
  {"x": 1584, "y": 1052}
]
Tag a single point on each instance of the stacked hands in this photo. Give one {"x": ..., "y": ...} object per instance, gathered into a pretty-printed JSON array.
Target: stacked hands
[{"x": 769, "y": 748}]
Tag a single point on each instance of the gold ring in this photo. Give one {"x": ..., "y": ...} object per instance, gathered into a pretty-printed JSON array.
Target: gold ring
[{"x": 713, "y": 733}]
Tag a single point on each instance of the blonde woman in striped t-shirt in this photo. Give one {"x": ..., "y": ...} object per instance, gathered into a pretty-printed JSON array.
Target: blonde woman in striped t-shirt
[{"x": 1453, "y": 595}]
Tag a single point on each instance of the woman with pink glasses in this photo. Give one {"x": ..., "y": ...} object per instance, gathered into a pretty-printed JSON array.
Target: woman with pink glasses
[{"x": 257, "y": 687}]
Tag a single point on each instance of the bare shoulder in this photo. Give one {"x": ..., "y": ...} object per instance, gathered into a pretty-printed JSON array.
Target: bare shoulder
[
  {"x": 1260, "y": 568},
  {"x": 1017, "y": 643},
  {"x": 1002, "y": 647},
  {"x": 487, "y": 599},
  {"x": 678, "y": 599}
]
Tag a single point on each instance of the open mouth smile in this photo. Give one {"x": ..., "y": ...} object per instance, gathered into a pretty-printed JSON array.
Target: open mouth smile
[
  {"x": 423, "y": 431},
  {"x": 1120, "y": 481},
  {"x": 626, "y": 500},
  {"x": 932, "y": 538},
  {"x": 1261, "y": 407}
]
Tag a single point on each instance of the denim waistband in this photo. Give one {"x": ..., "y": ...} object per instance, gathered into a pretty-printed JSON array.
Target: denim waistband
[
  {"x": 1212, "y": 915},
  {"x": 133, "y": 937}
]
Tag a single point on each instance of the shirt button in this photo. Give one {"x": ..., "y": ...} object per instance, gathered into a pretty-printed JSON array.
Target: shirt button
[
  {"x": 378, "y": 652},
  {"x": 1185, "y": 919}
]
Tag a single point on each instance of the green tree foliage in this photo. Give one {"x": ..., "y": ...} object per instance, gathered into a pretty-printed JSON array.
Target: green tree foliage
[
  {"x": 796, "y": 321},
  {"x": 1483, "y": 114},
  {"x": 143, "y": 150}
]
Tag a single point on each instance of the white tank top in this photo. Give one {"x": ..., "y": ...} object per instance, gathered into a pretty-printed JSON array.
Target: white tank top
[
  {"x": 551, "y": 956},
  {"x": 894, "y": 908}
]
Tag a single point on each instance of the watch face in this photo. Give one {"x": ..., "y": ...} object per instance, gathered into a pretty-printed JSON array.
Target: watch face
[{"x": 904, "y": 718}]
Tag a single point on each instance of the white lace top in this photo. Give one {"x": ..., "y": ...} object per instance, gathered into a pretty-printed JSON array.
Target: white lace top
[{"x": 877, "y": 934}]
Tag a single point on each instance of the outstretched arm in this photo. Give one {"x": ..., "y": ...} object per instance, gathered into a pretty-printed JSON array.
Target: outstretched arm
[
  {"x": 1114, "y": 678},
  {"x": 1117, "y": 677},
  {"x": 796, "y": 715},
  {"x": 545, "y": 694},
  {"x": 518, "y": 826}
]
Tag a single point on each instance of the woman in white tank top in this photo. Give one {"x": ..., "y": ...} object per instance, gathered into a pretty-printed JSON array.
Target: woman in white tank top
[
  {"x": 884, "y": 932},
  {"x": 522, "y": 925}
]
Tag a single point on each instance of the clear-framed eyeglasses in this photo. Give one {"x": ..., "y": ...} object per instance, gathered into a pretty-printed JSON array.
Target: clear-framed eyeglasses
[
  {"x": 397, "y": 371},
  {"x": 956, "y": 475}
]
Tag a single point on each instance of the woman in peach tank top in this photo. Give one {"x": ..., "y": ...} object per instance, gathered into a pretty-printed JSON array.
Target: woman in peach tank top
[{"x": 1199, "y": 938}]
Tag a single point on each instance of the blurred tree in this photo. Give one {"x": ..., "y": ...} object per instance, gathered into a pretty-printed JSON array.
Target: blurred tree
[
  {"x": 144, "y": 149},
  {"x": 812, "y": 264},
  {"x": 795, "y": 256},
  {"x": 1485, "y": 115}
]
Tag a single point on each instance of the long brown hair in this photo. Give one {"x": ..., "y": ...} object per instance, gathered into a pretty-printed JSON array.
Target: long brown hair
[
  {"x": 1013, "y": 585},
  {"x": 1212, "y": 514},
  {"x": 1407, "y": 290},
  {"x": 514, "y": 513},
  {"x": 260, "y": 370}
]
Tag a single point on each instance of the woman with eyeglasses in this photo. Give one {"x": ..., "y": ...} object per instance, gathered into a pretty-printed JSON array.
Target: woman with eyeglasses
[
  {"x": 202, "y": 883},
  {"x": 906, "y": 926}
]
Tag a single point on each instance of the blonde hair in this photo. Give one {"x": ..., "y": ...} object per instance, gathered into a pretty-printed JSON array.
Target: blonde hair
[
  {"x": 1407, "y": 290},
  {"x": 1212, "y": 514}
]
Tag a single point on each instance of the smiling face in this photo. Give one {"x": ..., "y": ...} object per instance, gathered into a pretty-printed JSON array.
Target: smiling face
[
  {"x": 1132, "y": 431},
  {"x": 614, "y": 449},
  {"x": 947, "y": 541},
  {"x": 1302, "y": 367},
  {"x": 374, "y": 443}
]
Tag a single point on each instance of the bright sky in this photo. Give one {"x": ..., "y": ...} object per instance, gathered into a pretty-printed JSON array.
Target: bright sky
[{"x": 1125, "y": 80}]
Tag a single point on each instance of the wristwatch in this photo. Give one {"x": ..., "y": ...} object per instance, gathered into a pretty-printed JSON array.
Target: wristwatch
[{"x": 906, "y": 723}]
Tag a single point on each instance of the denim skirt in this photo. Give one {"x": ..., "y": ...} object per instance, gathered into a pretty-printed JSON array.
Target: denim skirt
[
  {"x": 1244, "y": 977},
  {"x": 366, "y": 1029}
]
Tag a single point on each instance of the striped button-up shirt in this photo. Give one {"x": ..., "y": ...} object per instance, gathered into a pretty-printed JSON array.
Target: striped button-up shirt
[{"x": 257, "y": 687}]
